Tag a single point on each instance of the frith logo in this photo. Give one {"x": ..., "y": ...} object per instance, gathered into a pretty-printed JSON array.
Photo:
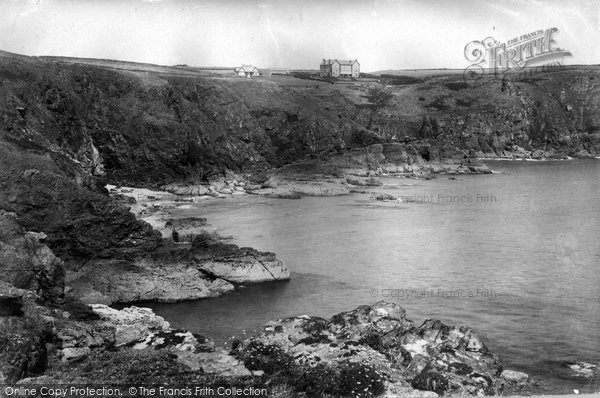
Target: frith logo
[{"x": 533, "y": 50}]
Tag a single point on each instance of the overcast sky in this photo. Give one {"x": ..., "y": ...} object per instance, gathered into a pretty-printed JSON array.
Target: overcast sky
[{"x": 381, "y": 34}]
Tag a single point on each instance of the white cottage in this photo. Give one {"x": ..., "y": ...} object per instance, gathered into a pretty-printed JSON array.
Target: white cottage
[{"x": 247, "y": 71}]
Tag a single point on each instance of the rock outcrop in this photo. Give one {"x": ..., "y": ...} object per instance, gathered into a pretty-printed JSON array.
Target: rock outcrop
[
  {"x": 512, "y": 376},
  {"x": 22, "y": 350},
  {"x": 132, "y": 324},
  {"x": 379, "y": 340},
  {"x": 68, "y": 128},
  {"x": 208, "y": 269},
  {"x": 373, "y": 350},
  {"x": 235, "y": 264},
  {"x": 582, "y": 370},
  {"x": 26, "y": 262},
  {"x": 158, "y": 276}
]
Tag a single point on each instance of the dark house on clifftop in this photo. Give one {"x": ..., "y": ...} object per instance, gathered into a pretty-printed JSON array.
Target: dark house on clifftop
[{"x": 339, "y": 68}]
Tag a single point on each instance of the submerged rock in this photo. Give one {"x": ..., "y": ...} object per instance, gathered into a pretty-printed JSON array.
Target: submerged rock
[
  {"x": 282, "y": 195},
  {"x": 582, "y": 369},
  {"x": 364, "y": 182},
  {"x": 512, "y": 376},
  {"x": 384, "y": 196}
]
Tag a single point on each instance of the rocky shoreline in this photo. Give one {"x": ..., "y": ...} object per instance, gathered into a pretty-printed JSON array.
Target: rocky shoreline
[
  {"x": 516, "y": 152},
  {"x": 56, "y": 328},
  {"x": 373, "y": 350},
  {"x": 194, "y": 262},
  {"x": 336, "y": 175},
  {"x": 65, "y": 242}
]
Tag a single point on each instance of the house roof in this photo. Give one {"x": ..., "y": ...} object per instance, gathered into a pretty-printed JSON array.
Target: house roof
[
  {"x": 339, "y": 61},
  {"x": 247, "y": 68}
]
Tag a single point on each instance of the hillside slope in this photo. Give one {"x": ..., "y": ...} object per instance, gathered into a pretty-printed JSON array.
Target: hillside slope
[{"x": 68, "y": 127}]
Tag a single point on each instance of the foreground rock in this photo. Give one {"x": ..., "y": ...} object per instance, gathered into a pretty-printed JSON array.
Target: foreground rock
[
  {"x": 374, "y": 350},
  {"x": 370, "y": 351}
]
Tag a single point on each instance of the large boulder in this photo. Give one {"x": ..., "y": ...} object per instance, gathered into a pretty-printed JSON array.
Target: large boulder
[
  {"x": 185, "y": 229},
  {"x": 188, "y": 190},
  {"x": 165, "y": 276},
  {"x": 432, "y": 357},
  {"x": 235, "y": 264},
  {"x": 218, "y": 362},
  {"x": 131, "y": 324},
  {"x": 26, "y": 262}
]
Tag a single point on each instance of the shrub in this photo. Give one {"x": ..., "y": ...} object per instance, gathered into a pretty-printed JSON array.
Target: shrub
[
  {"x": 362, "y": 138},
  {"x": 268, "y": 358},
  {"x": 430, "y": 380},
  {"x": 318, "y": 381},
  {"x": 359, "y": 380},
  {"x": 321, "y": 380}
]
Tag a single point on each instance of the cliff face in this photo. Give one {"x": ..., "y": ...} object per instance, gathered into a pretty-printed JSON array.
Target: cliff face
[
  {"x": 67, "y": 127},
  {"x": 553, "y": 112},
  {"x": 65, "y": 130},
  {"x": 135, "y": 128},
  {"x": 159, "y": 126}
]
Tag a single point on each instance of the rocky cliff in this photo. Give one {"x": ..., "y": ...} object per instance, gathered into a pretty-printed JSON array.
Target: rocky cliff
[
  {"x": 65, "y": 131},
  {"x": 157, "y": 126},
  {"x": 69, "y": 126}
]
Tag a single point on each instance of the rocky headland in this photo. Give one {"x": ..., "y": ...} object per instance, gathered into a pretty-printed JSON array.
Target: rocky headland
[
  {"x": 70, "y": 127},
  {"x": 373, "y": 350}
]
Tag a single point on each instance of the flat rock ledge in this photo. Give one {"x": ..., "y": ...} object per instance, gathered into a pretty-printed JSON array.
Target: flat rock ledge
[
  {"x": 191, "y": 262},
  {"x": 208, "y": 267}
]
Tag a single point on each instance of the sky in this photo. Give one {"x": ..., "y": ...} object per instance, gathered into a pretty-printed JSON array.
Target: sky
[{"x": 381, "y": 34}]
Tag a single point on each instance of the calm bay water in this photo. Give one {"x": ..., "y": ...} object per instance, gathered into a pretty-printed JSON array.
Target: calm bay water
[{"x": 521, "y": 268}]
